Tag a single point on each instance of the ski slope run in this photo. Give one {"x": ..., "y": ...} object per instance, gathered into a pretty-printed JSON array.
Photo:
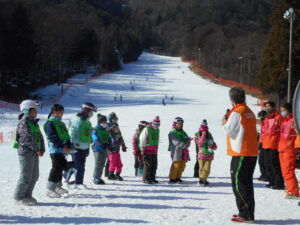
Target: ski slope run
[{"x": 131, "y": 201}]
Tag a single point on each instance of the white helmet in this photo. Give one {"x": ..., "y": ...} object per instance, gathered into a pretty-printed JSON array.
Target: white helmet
[{"x": 28, "y": 104}]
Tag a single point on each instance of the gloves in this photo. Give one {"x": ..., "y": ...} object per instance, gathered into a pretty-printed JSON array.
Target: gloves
[{"x": 124, "y": 148}]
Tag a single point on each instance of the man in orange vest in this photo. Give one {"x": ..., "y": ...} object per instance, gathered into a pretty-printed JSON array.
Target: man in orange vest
[
  {"x": 288, "y": 152},
  {"x": 271, "y": 131},
  {"x": 242, "y": 145}
]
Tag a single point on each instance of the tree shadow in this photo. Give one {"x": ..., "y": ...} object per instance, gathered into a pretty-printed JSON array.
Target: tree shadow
[{"x": 63, "y": 220}]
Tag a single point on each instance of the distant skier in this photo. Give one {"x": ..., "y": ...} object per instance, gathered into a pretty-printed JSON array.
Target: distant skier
[
  {"x": 205, "y": 155},
  {"x": 121, "y": 98},
  {"x": 59, "y": 145},
  {"x": 149, "y": 140},
  {"x": 179, "y": 143},
  {"x": 138, "y": 159},
  {"x": 166, "y": 96},
  {"x": 30, "y": 144},
  {"x": 172, "y": 98},
  {"x": 115, "y": 98},
  {"x": 163, "y": 102}
]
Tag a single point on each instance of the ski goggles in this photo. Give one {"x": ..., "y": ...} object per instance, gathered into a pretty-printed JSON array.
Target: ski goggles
[{"x": 84, "y": 106}]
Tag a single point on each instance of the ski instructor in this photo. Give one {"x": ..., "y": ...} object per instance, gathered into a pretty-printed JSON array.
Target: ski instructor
[{"x": 242, "y": 145}]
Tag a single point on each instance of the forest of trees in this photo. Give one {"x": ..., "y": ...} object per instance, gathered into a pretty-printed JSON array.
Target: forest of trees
[
  {"x": 46, "y": 41},
  {"x": 241, "y": 40}
]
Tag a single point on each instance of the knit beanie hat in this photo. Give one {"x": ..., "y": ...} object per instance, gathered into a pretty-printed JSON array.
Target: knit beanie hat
[
  {"x": 101, "y": 118},
  {"x": 177, "y": 120},
  {"x": 156, "y": 121},
  {"x": 203, "y": 126}
]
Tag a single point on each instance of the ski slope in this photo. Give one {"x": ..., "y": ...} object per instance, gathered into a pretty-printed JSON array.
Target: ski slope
[{"x": 131, "y": 201}]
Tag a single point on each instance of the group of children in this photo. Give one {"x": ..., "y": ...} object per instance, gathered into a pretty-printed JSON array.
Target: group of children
[
  {"x": 279, "y": 149},
  {"x": 106, "y": 141}
]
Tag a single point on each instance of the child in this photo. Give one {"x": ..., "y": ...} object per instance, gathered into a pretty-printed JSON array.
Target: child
[
  {"x": 206, "y": 146},
  {"x": 149, "y": 140},
  {"x": 288, "y": 152},
  {"x": 59, "y": 144},
  {"x": 179, "y": 142},
  {"x": 30, "y": 143},
  {"x": 115, "y": 163},
  {"x": 113, "y": 120},
  {"x": 81, "y": 137},
  {"x": 101, "y": 142},
  {"x": 138, "y": 160}
]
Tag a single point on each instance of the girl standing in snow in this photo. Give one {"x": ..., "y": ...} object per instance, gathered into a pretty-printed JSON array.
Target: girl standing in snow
[
  {"x": 113, "y": 121},
  {"x": 59, "y": 144},
  {"x": 30, "y": 144},
  {"x": 179, "y": 142},
  {"x": 101, "y": 142},
  {"x": 138, "y": 160},
  {"x": 206, "y": 146},
  {"x": 115, "y": 163},
  {"x": 149, "y": 140}
]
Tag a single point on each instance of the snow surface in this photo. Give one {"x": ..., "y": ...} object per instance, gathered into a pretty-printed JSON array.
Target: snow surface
[{"x": 131, "y": 201}]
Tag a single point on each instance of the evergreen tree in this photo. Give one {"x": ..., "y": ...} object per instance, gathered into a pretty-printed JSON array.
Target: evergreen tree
[{"x": 273, "y": 74}]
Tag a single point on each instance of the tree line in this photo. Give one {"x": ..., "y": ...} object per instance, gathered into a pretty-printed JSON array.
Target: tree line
[{"x": 46, "y": 41}]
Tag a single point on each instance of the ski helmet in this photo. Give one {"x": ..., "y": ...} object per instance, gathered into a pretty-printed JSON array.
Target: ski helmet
[
  {"x": 112, "y": 116},
  {"x": 89, "y": 105},
  {"x": 28, "y": 104}
]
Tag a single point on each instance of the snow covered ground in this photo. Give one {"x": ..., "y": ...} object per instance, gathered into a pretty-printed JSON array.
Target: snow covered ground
[{"x": 131, "y": 201}]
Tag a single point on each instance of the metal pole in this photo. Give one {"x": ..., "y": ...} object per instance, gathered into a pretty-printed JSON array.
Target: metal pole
[{"x": 290, "y": 59}]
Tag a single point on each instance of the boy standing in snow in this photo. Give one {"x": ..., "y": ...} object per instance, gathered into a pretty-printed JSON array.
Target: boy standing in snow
[
  {"x": 30, "y": 144},
  {"x": 138, "y": 159},
  {"x": 81, "y": 137},
  {"x": 149, "y": 140},
  {"x": 59, "y": 144},
  {"x": 101, "y": 142},
  {"x": 179, "y": 142},
  {"x": 115, "y": 163},
  {"x": 242, "y": 145},
  {"x": 206, "y": 146}
]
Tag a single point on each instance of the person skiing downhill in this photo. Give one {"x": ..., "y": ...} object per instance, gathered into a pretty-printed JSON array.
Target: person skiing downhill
[
  {"x": 30, "y": 144},
  {"x": 138, "y": 159}
]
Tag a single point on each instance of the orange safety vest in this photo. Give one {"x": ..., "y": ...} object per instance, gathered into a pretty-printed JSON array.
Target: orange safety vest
[
  {"x": 287, "y": 134},
  {"x": 271, "y": 131},
  {"x": 249, "y": 145}
]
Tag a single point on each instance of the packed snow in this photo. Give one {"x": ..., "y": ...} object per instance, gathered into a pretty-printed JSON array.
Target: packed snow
[{"x": 131, "y": 202}]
